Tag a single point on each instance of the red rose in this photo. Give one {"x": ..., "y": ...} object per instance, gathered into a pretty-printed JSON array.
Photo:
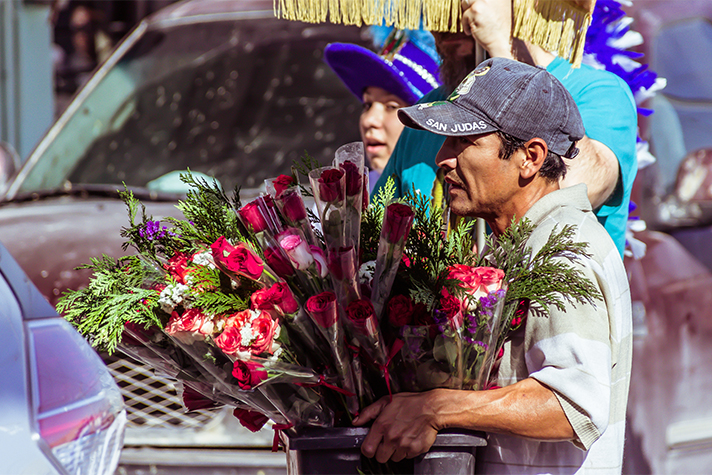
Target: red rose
[
  {"x": 281, "y": 183},
  {"x": 248, "y": 331},
  {"x": 293, "y": 208},
  {"x": 177, "y": 267},
  {"x": 353, "y": 178},
  {"x": 252, "y": 217},
  {"x": 278, "y": 296},
  {"x": 452, "y": 308},
  {"x": 264, "y": 328},
  {"x": 397, "y": 223},
  {"x": 322, "y": 309},
  {"x": 400, "y": 311},
  {"x": 189, "y": 327},
  {"x": 278, "y": 263},
  {"x": 490, "y": 278},
  {"x": 331, "y": 185},
  {"x": 229, "y": 341},
  {"x": 193, "y": 400},
  {"x": 250, "y": 420},
  {"x": 477, "y": 281},
  {"x": 248, "y": 374},
  {"x": 362, "y": 315},
  {"x": 238, "y": 259}
]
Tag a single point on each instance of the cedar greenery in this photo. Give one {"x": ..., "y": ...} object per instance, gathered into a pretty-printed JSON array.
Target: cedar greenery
[
  {"x": 113, "y": 297},
  {"x": 117, "y": 292}
]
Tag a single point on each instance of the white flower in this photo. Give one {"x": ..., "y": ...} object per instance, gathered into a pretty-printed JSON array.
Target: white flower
[
  {"x": 247, "y": 335},
  {"x": 244, "y": 355},
  {"x": 366, "y": 271},
  {"x": 276, "y": 352},
  {"x": 204, "y": 259},
  {"x": 172, "y": 296}
]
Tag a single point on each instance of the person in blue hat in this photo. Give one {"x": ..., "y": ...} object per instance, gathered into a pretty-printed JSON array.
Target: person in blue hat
[{"x": 405, "y": 69}]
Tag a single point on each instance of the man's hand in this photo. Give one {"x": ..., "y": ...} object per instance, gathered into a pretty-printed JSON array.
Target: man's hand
[
  {"x": 403, "y": 428},
  {"x": 489, "y": 22}
]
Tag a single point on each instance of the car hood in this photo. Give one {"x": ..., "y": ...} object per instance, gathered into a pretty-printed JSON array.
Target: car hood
[{"x": 49, "y": 238}]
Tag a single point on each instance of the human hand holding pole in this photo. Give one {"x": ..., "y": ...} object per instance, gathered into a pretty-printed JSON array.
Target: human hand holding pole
[{"x": 489, "y": 22}]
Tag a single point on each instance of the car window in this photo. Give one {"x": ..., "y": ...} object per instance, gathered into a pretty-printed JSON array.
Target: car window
[{"x": 239, "y": 101}]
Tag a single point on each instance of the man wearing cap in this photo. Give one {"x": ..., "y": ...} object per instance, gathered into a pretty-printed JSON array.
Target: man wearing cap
[
  {"x": 564, "y": 378},
  {"x": 608, "y": 163}
]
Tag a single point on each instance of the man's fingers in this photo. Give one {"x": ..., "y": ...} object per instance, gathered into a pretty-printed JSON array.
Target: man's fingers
[
  {"x": 370, "y": 413},
  {"x": 385, "y": 452},
  {"x": 399, "y": 454},
  {"x": 370, "y": 443},
  {"x": 465, "y": 4}
]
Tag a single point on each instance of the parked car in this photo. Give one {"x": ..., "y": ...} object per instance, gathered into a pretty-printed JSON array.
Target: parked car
[
  {"x": 62, "y": 411},
  {"x": 215, "y": 86}
]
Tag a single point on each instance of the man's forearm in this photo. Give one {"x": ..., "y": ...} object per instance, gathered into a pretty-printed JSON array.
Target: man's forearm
[
  {"x": 597, "y": 166},
  {"x": 525, "y": 409}
]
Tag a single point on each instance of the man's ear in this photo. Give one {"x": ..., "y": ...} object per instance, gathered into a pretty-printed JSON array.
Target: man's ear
[{"x": 535, "y": 151}]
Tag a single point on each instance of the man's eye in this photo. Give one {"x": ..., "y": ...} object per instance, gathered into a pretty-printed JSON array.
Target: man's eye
[
  {"x": 464, "y": 141},
  {"x": 366, "y": 106},
  {"x": 392, "y": 107}
]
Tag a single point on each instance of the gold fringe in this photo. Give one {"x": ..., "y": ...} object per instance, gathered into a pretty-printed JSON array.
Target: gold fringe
[
  {"x": 555, "y": 25},
  {"x": 435, "y": 15}
]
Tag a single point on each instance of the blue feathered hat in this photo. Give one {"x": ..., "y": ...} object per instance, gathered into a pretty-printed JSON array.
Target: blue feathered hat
[{"x": 401, "y": 67}]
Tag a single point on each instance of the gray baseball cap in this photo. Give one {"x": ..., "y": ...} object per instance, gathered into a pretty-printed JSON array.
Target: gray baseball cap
[{"x": 502, "y": 94}]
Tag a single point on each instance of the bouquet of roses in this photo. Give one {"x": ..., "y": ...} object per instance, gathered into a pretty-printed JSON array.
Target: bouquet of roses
[
  {"x": 452, "y": 309},
  {"x": 303, "y": 314}
]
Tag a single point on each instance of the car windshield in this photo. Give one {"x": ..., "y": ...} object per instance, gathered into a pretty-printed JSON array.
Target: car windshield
[{"x": 235, "y": 100}]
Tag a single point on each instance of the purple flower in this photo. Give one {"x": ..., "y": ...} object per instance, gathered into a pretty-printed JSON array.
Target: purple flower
[
  {"x": 471, "y": 321},
  {"x": 152, "y": 230}
]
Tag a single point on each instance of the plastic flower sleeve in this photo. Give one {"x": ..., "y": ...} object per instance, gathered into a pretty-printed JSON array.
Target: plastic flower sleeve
[
  {"x": 397, "y": 222},
  {"x": 324, "y": 311},
  {"x": 493, "y": 323},
  {"x": 329, "y": 189},
  {"x": 288, "y": 198},
  {"x": 308, "y": 261},
  {"x": 350, "y": 158},
  {"x": 153, "y": 348},
  {"x": 245, "y": 379},
  {"x": 343, "y": 269}
]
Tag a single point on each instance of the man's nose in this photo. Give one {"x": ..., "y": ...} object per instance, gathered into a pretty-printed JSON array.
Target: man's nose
[{"x": 446, "y": 157}]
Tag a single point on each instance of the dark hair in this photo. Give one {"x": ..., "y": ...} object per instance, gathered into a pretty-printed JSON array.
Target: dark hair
[{"x": 553, "y": 167}]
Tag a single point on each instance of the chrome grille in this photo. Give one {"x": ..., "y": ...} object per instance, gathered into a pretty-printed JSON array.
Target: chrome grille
[{"x": 151, "y": 399}]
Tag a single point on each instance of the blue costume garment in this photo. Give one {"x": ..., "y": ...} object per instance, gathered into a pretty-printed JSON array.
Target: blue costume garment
[{"x": 609, "y": 116}]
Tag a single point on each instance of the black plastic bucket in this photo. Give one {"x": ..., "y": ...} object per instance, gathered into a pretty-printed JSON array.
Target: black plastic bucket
[{"x": 337, "y": 451}]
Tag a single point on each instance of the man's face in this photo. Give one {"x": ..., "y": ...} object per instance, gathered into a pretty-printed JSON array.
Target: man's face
[
  {"x": 481, "y": 183},
  {"x": 457, "y": 51}
]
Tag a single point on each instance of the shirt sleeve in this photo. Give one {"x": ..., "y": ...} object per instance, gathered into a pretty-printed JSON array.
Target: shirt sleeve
[{"x": 569, "y": 351}]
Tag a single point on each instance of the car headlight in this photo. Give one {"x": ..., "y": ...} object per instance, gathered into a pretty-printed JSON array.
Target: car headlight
[{"x": 78, "y": 407}]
